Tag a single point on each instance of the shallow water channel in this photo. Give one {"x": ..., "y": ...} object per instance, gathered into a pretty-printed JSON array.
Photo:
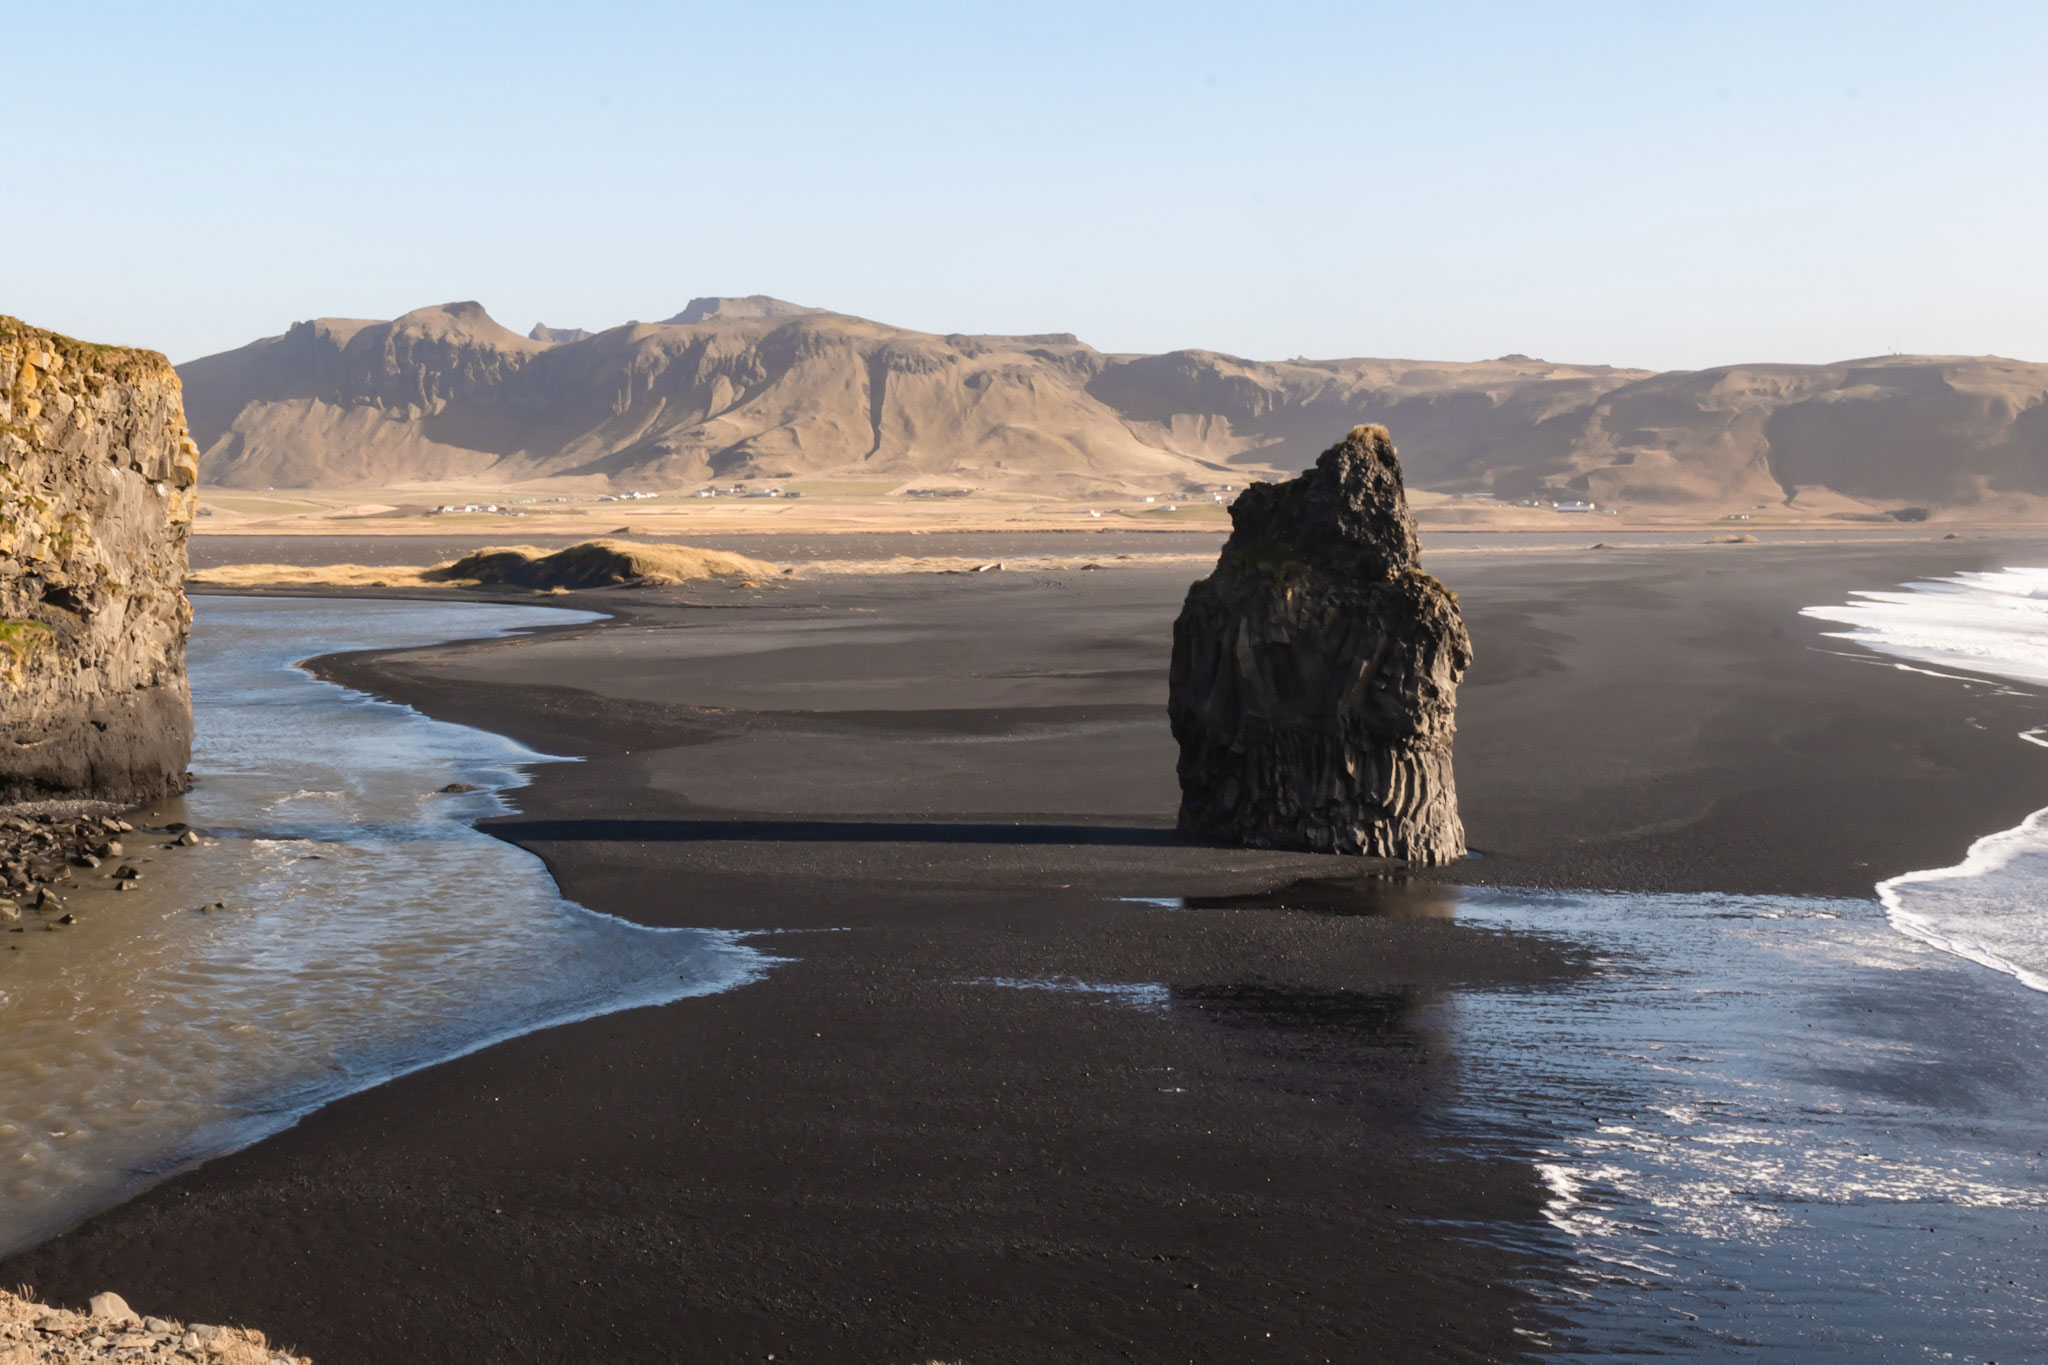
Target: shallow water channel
[{"x": 367, "y": 929}]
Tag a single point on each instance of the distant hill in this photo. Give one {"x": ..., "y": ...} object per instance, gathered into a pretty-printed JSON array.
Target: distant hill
[{"x": 757, "y": 387}]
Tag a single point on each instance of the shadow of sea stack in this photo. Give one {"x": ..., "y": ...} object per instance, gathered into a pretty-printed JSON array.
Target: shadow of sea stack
[{"x": 1315, "y": 672}]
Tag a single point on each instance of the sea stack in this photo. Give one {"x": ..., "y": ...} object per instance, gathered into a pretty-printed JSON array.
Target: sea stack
[
  {"x": 1315, "y": 672},
  {"x": 97, "y": 481}
]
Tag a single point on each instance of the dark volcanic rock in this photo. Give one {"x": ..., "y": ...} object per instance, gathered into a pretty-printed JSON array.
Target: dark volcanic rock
[
  {"x": 40, "y": 848},
  {"x": 1315, "y": 673}
]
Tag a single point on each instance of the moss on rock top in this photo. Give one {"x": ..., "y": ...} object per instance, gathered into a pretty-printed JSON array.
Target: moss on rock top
[{"x": 124, "y": 364}]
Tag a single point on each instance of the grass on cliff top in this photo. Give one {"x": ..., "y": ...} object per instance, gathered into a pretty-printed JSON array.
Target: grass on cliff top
[{"x": 125, "y": 364}]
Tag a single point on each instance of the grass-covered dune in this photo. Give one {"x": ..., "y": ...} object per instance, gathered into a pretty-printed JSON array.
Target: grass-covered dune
[{"x": 592, "y": 564}]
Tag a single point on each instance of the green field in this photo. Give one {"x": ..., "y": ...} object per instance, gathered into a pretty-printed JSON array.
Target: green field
[
  {"x": 263, "y": 507},
  {"x": 474, "y": 519},
  {"x": 1202, "y": 511},
  {"x": 828, "y": 488}
]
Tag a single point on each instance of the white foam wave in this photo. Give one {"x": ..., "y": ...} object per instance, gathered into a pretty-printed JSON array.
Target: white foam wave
[
  {"x": 1987, "y": 908},
  {"x": 1993, "y": 623},
  {"x": 1753, "y": 1140}
]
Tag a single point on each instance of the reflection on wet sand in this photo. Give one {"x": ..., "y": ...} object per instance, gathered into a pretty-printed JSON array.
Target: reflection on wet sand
[
  {"x": 1739, "y": 1120},
  {"x": 1389, "y": 894},
  {"x": 1385, "y": 1017}
]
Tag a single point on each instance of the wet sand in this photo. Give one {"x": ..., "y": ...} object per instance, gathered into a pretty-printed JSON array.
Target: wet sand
[{"x": 921, "y": 789}]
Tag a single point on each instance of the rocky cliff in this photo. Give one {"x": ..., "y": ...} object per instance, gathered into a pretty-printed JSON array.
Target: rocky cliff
[
  {"x": 1315, "y": 673},
  {"x": 96, "y": 495},
  {"x": 738, "y": 387}
]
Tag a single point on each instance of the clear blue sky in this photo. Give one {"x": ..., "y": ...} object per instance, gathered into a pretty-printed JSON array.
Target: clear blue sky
[{"x": 1661, "y": 184}]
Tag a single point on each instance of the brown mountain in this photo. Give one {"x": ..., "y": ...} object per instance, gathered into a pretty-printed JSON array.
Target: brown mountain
[{"x": 732, "y": 388}]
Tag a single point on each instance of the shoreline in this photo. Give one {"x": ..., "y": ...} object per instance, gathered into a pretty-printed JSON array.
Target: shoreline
[
  {"x": 390, "y": 1173},
  {"x": 250, "y": 924}
]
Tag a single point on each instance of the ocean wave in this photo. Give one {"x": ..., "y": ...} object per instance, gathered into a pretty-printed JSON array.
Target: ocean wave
[{"x": 1993, "y": 624}]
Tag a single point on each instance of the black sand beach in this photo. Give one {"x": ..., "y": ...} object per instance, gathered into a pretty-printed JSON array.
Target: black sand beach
[{"x": 920, "y": 789}]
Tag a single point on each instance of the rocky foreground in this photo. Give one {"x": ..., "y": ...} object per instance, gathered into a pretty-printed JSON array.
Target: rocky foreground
[
  {"x": 110, "y": 1330},
  {"x": 41, "y": 853}
]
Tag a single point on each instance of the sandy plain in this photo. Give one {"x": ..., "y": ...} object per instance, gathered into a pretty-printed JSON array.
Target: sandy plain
[{"x": 880, "y": 507}]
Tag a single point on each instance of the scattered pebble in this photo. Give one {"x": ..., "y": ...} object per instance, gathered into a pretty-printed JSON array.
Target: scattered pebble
[
  {"x": 110, "y": 1307},
  {"x": 39, "y": 848}
]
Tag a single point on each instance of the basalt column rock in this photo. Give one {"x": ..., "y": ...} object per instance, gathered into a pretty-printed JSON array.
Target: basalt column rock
[
  {"x": 97, "y": 483},
  {"x": 1315, "y": 672}
]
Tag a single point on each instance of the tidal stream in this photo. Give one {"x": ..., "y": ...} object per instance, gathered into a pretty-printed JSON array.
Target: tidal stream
[{"x": 367, "y": 927}]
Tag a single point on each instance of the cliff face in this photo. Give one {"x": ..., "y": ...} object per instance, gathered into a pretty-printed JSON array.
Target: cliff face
[
  {"x": 1315, "y": 673},
  {"x": 96, "y": 497}
]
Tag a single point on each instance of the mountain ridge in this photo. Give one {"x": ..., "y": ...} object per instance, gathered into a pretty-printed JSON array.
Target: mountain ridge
[{"x": 753, "y": 386}]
